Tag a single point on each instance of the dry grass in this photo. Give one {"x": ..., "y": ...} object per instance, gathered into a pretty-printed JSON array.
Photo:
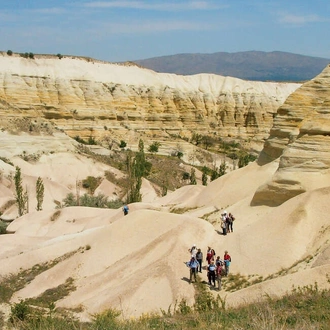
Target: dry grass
[{"x": 55, "y": 215}]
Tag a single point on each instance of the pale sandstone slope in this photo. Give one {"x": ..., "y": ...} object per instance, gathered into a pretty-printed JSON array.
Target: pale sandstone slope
[
  {"x": 136, "y": 263},
  {"x": 145, "y": 251}
]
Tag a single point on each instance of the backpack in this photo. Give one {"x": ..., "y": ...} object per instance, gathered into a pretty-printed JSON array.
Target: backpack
[
  {"x": 213, "y": 252},
  {"x": 193, "y": 263},
  {"x": 219, "y": 269}
]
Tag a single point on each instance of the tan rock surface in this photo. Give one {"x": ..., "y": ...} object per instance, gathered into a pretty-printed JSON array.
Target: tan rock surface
[
  {"x": 134, "y": 259},
  {"x": 110, "y": 101},
  {"x": 300, "y": 137}
]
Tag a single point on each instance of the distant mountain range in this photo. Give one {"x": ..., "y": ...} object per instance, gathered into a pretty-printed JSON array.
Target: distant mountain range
[{"x": 250, "y": 65}]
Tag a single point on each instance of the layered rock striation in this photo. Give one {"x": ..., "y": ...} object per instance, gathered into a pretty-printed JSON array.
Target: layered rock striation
[
  {"x": 87, "y": 98},
  {"x": 300, "y": 138}
]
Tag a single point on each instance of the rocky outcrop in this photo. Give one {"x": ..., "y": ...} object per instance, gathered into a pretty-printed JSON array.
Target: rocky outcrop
[
  {"x": 84, "y": 97},
  {"x": 300, "y": 136}
]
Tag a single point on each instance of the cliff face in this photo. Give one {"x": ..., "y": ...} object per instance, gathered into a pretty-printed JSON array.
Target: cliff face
[
  {"x": 300, "y": 136},
  {"x": 87, "y": 98}
]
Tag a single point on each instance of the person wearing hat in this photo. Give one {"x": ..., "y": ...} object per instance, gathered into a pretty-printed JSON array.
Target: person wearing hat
[{"x": 193, "y": 250}]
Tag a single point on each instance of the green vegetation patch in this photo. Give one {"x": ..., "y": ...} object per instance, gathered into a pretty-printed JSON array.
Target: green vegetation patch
[
  {"x": 54, "y": 294},
  {"x": 303, "y": 308},
  {"x": 14, "y": 282}
]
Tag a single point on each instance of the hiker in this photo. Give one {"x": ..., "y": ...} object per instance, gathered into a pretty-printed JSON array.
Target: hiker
[
  {"x": 218, "y": 272},
  {"x": 231, "y": 219},
  {"x": 199, "y": 257},
  {"x": 193, "y": 265},
  {"x": 211, "y": 273},
  {"x": 125, "y": 209},
  {"x": 224, "y": 223},
  {"x": 210, "y": 255},
  {"x": 227, "y": 261},
  {"x": 218, "y": 260},
  {"x": 193, "y": 250}
]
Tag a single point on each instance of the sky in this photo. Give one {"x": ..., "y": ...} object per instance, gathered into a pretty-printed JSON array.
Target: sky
[{"x": 128, "y": 30}]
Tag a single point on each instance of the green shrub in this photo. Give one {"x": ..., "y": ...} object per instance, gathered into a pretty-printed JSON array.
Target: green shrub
[
  {"x": 70, "y": 200},
  {"x": 19, "y": 311},
  {"x": 94, "y": 201},
  {"x": 6, "y": 160},
  {"x": 122, "y": 144},
  {"x": 100, "y": 201},
  {"x": 185, "y": 176},
  {"x": 79, "y": 139},
  {"x": 3, "y": 227},
  {"x": 9, "y": 52},
  {"x": 154, "y": 147},
  {"x": 106, "y": 320},
  {"x": 91, "y": 183},
  {"x": 245, "y": 158},
  {"x": 91, "y": 141},
  {"x": 184, "y": 308}
]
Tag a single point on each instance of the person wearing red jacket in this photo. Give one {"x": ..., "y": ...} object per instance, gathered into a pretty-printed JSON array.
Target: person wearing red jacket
[{"x": 227, "y": 261}]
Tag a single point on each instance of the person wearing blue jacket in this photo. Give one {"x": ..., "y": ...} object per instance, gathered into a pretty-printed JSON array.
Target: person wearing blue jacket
[{"x": 193, "y": 265}]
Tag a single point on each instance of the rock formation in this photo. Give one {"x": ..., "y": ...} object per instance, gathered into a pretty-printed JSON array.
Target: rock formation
[
  {"x": 300, "y": 136},
  {"x": 84, "y": 98}
]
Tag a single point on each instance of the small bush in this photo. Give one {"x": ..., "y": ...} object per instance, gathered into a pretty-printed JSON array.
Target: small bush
[
  {"x": 6, "y": 160},
  {"x": 91, "y": 183},
  {"x": 9, "y": 52},
  {"x": 91, "y": 141},
  {"x": 79, "y": 139},
  {"x": 154, "y": 147},
  {"x": 244, "y": 159},
  {"x": 106, "y": 320},
  {"x": 3, "y": 227},
  {"x": 55, "y": 215},
  {"x": 19, "y": 311},
  {"x": 185, "y": 176},
  {"x": 122, "y": 144},
  {"x": 100, "y": 201}
]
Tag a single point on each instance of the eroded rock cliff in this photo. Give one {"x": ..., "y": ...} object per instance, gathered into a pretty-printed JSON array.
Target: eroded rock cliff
[
  {"x": 87, "y": 98},
  {"x": 300, "y": 136}
]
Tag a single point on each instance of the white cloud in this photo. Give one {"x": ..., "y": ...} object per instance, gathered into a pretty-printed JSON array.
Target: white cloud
[
  {"x": 148, "y": 27},
  {"x": 53, "y": 10},
  {"x": 300, "y": 19},
  {"x": 163, "y": 6}
]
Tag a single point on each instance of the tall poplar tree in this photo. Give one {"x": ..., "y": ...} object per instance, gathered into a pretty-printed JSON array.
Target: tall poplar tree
[
  {"x": 137, "y": 168},
  {"x": 21, "y": 195},
  {"x": 40, "y": 189}
]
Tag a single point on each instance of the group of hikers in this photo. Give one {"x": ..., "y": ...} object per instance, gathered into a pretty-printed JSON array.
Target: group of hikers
[
  {"x": 227, "y": 223},
  {"x": 216, "y": 268}
]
